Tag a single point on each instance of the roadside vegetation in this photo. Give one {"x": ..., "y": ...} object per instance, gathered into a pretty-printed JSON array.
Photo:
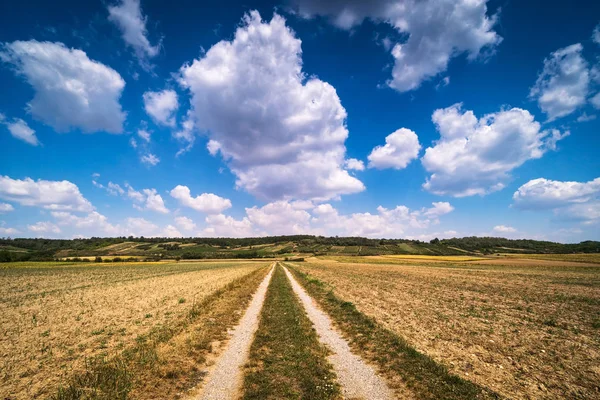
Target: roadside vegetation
[{"x": 286, "y": 359}]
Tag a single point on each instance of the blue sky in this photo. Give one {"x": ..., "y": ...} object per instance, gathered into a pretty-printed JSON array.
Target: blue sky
[{"x": 391, "y": 118}]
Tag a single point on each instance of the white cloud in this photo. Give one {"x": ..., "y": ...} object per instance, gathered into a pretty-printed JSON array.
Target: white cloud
[
  {"x": 20, "y": 130},
  {"x": 44, "y": 227},
  {"x": 595, "y": 100},
  {"x": 354, "y": 164},
  {"x": 92, "y": 224},
  {"x": 504, "y": 229},
  {"x": 219, "y": 225},
  {"x": 436, "y": 31},
  {"x": 185, "y": 135},
  {"x": 71, "y": 91},
  {"x": 401, "y": 147},
  {"x": 585, "y": 117},
  {"x": 596, "y": 34},
  {"x": 154, "y": 201},
  {"x": 144, "y": 134},
  {"x": 206, "y": 202},
  {"x": 571, "y": 200},
  {"x": 476, "y": 156},
  {"x": 185, "y": 223},
  {"x": 5, "y": 207},
  {"x": 161, "y": 106},
  {"x": 563, "y": 84},
  {"x": 149, "y": 159},
  {"x": 387, "y": 223},
  {"x": 51, "y": 195},
  {"x": 134, "y": 194},
  {"x": 171, "y": 231},
  {"x": 141, "y": 227},
  {"x": 8, "y": 231},
  {"x": 128, "y": 16},
  {"x": 282, "y": 134},
  {"x": 279, "y": 218}
]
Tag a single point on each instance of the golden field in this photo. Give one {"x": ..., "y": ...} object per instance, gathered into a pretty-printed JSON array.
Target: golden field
[
  {"x": 56, "y": 316},
  {"x": 524, "y": 328}
]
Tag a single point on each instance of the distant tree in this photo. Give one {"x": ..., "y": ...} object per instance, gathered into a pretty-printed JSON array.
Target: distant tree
[
  {"x": 98, "y": 259},
  {"x": 434, "y": 241}
]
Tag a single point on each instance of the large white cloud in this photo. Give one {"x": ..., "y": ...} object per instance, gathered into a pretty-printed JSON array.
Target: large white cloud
[
  {"x": 161, "y": 106},
  {"x": 206, "y": 202},
  {"x": 282, "y": 134},
  {"x": 436, "y": 31},
  {"x": 573, "y": 200},
  {"x": 51, "y": 195},
  {"x": 401, "y": 147},
  {"x": 563, "y": 84},
  {"x": 127, "y": 15},
  {"x": 475, "y": 156},
  {"x": 20, "y": 130},
  {"x": 185, "y": 223},
  {"x": 71, "y": 91},
  {"x": 147, "y": 199}
]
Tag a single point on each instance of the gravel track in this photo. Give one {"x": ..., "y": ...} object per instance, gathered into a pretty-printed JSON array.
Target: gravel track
[
  {"x": 357, "y": 379},
  {"x": 225, "y": 379}
]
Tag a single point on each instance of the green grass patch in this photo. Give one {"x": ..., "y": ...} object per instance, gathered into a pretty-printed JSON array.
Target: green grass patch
[
  {"x": 286, "y": 359},
  {"x": 395, "y": 357}
]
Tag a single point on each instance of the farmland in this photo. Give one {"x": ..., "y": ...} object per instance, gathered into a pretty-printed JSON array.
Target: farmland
[
  {"x": 56, "y": 316},
  {"x": 445, "y": 326},
  {"x": 523, "y": 331}
]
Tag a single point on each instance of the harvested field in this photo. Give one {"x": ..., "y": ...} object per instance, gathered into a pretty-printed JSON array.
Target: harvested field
[
  {"x": 54, "y": 316},
  {"x": 522, "y": 331}
]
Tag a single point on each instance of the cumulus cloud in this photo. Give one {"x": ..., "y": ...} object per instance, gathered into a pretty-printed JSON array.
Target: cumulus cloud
[
  {"x": 220, "y": 225},
  {"x": 206, "y": 202},
  {"x": 5, "y": 207},
  {"x": 186, "y": 136},
  {"x": 92, "y": 224},
  {"x": 171, "y": 231},
  {"x": 147, "y": 199},
  {"x": 562, "y": 86},
  {"x": 354, "y": 164},
  {"x": 572, "y": 200},
  {"x": 20, "y": 130},
  {"x": 185, "y": 223},
  {"x": 475, "y": 156},
  {"x": 386, "y": 223},
  {"x": 504, "y": 229},
  {"x": 8, "y": 231},
  {"x": 71, "y": 91},
  {"x": 161, "y": 106},
  {"x": 144, "y": 135},
  {"x": 282, "y": 134},
  {"x": 279, "y": 218},
  {"x": 435, "y": 30},
  {"x": 154, "y": 201},
  {"x": 596, "y": 34},
  {"x": 128, "y": 17},
  {"x": 44, "y": 227},
  {"x": 149, "y": 159},
  {"x": 401, "y": 147},
  {"x": 51, "y": 195}
]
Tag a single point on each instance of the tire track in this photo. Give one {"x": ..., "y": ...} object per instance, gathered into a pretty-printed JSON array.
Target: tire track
[
  {"x": 225, "y": 379},
  {"x": 357, "y": 379}
]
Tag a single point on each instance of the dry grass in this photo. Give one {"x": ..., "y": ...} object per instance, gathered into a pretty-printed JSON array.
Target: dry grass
[
  {"x": 522, "y": 331},
  {"x": 53, "y": 317}
]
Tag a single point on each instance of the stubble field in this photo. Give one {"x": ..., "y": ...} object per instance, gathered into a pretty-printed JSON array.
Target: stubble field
[
  {"x": 521, "y": 329},
  {"x": 54, "y": 318}
]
